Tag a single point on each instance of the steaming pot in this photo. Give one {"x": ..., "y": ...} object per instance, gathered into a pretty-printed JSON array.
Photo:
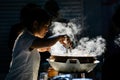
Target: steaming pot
[{"x": 73, "y": 64}]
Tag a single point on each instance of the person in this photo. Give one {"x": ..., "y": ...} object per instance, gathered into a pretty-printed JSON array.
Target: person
[
  {"x": 17, "y": 28},
  {"x": 111, "y": 66},
  {"x": 25, "y": 57}
]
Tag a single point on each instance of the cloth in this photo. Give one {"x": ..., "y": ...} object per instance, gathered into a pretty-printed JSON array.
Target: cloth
[{"x": 25, "y": 62}]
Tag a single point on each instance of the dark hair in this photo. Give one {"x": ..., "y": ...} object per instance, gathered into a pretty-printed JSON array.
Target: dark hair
[{"x": 37, "y": 14}]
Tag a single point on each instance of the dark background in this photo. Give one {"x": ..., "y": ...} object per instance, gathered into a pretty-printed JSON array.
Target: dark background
[{"x": 97, "y": 14}]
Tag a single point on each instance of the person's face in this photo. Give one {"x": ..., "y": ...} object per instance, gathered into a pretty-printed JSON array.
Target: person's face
[{"x": 43, "y": 30}]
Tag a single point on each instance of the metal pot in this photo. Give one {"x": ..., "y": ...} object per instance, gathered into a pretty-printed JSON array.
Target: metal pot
[
  {"x": 73, "y": 64},
  {"x": 85, "y": 59}
]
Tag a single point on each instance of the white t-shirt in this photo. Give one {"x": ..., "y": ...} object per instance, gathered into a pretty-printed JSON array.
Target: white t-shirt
[{"x": 25, "y": 62}]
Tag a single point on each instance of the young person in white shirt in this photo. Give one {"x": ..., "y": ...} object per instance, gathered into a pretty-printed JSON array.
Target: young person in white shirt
[{"x": 26, "y": 57}]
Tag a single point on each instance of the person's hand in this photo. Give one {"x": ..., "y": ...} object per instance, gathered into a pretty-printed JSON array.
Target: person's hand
[
  {"x": 65, "y": 40},
  {"x": 43, "y": 49}
]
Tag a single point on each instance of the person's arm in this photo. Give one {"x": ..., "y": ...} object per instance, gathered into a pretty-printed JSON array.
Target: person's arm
[
  {"x": 43, "y": 49},
  {"x": 41, "y": 43}
]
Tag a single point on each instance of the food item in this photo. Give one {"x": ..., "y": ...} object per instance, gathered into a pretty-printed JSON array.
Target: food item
[{"x": 52, "y": 72}]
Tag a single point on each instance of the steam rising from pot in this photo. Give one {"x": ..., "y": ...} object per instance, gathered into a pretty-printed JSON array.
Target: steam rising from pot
[
  {"x": 72, "y": 29},
  {"x": 117, "y": 40},
  {"x": 83, "y": 46}
]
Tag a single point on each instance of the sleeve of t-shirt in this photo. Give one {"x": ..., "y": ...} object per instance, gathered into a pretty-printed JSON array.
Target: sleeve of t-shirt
[{"x": 24, "y": 42}]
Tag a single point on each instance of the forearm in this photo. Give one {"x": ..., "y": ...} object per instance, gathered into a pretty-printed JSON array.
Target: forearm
[{"x": 41, "y": 43}]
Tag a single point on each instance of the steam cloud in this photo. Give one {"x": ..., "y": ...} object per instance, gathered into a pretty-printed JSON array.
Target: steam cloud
[
  {"x": 72, "y": 29},
  {"x": 117, "y": 40},
  {"x": 84, "y": 47}
]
